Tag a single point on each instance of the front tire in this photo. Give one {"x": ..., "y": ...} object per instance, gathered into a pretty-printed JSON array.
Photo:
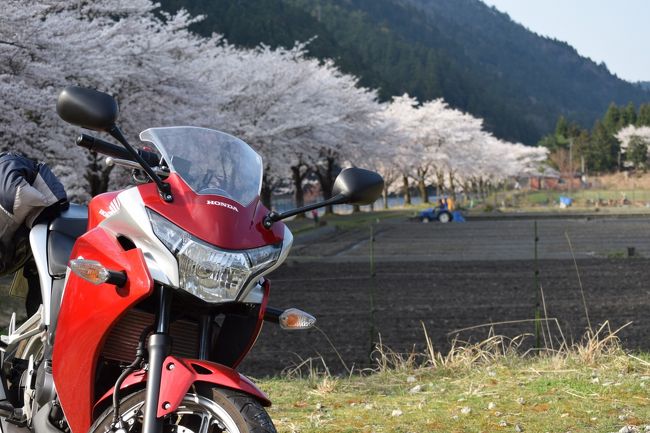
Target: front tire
[
  {"x": 444, "y": 217},
  {"x": 212, "y": 410}
]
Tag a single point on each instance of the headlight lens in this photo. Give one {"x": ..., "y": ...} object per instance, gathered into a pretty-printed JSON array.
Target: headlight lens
[{"x": 207, "y": 272}]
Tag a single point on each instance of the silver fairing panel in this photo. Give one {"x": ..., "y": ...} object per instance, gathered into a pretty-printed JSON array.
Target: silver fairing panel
[
  {"x": 250, "y": 293},
  {"x": 38, "y": 243},
  {"x": 128, "y": 217}
]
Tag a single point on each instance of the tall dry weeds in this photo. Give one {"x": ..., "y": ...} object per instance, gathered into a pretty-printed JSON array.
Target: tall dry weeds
[
  {"x": 598, "y": 344},
  {"x": 595, "y": 347}
]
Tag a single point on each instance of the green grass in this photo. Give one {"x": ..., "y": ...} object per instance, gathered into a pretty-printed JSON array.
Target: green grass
[
  {"x": 545, "y": 201},
  {"x": 540, "y": 394},
  {"x": 349, "y": 221},
  {"x": 585, "y": 198},
  {"x": 363, "y": 219}
]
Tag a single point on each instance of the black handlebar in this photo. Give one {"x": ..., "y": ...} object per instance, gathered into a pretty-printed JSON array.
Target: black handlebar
[{"x": 98, "y": 145}]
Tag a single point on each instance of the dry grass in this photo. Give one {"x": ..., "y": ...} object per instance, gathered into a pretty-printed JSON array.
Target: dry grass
[
  {"x": 624, "y": 180},
  {"x": 598, "y": 345},
  {"x": 461, "y": 355},
  {"x": 493, "y": 385},
  {"x": 595, "y": 347}
]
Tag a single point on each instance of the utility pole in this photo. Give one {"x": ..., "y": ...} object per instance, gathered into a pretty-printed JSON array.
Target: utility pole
[
  {"x": 570, "y": 165},
  {"x": 374, "y": 337},
  {"x": 538, "y": 298}
]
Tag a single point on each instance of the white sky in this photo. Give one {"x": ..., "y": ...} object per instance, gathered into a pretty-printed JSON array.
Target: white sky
[{"x": 616, "y": 32}]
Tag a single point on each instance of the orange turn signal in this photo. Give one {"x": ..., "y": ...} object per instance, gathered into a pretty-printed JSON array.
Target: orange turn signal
[
  {"x": 96, "y": 273},
  {"x": 295, "y": 319}
]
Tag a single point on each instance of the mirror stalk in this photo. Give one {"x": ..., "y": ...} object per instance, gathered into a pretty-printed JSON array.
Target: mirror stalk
[
  {"x": 164, "y": 189},
  {"x": 273, "y": 216}
]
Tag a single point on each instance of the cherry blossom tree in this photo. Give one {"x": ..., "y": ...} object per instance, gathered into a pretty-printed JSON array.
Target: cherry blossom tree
[
  {"x": 635, "y": 142},
  {"x": 447, "y": 147},
  {"x": 301, "y": 114},
  {"x": 116, "y": 46},
  {"x": 403, "y": 113},
  {"x": 304, "y": 116}
]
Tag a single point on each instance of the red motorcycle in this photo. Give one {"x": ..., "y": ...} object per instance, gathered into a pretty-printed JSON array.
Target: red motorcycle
[{"x": 153, "y": 295}]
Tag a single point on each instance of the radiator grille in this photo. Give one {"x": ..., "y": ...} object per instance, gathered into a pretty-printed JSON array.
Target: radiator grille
[{"x": 122, "y": 341}]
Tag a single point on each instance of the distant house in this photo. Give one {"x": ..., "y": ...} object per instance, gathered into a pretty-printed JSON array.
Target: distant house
[{"x": 543, "y": 178}]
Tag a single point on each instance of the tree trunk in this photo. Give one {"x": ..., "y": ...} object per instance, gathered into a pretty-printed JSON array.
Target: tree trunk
[
  {"x": 440, "y": 176},
  {"x": 467, "y": 190},
  {"x": 452, "y": 186},
  {"x": 407, "y": 192},
  {"x": 97, "y": 176},
  {"x": 326, "y": 181},
  {"x": 385, "y": 194},
  {"x": 298, "y": 193},
  {"x": 423, "y": 191},
  {"x": 356, "y": 208},
  {"x": 265, "y": 194}
]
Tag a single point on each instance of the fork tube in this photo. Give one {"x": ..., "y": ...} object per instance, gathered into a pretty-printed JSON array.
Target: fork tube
[
  {"x": 159, "y": 348},
  {"x": 206, "y": 336}
]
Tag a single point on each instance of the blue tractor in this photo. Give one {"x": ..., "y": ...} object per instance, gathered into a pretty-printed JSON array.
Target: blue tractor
[{"x": 438, "y": 213}]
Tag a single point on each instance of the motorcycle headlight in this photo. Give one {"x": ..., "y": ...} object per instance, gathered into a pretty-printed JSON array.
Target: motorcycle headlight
[{"x": 208, "y": 272}]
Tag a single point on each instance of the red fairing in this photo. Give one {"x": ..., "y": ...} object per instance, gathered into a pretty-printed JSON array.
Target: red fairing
[
  {"x": 87, "y": 313},
  {"x": 214, "y": 219},
  {"x": 178, "y": 375}
]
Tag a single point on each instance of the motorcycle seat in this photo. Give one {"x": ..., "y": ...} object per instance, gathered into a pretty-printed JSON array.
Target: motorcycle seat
[{"x": 63, "y": 231}]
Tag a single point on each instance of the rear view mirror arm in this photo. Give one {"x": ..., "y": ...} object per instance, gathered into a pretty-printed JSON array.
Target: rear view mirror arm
[
  {"x": 273, "y": 216},
  {"x": 164, "y": 189}
]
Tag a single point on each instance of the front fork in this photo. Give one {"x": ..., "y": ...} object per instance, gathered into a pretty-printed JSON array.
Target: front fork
[{"x": 159, "y": 347}]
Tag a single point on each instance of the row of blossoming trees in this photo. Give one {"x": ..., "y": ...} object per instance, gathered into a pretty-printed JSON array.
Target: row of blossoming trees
[{"x": 304, "y": 116}]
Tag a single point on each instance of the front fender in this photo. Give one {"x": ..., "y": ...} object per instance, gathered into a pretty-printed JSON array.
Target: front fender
[{"x": 178, "y": 375}]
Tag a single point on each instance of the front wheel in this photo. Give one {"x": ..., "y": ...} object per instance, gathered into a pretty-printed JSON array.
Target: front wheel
[
  {"x": 444, "y": 217},
  {"x": 215, "y": 410}
]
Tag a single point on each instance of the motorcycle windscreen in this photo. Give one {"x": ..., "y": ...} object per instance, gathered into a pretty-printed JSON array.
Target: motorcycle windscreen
[{"x": 210, "y": 162}]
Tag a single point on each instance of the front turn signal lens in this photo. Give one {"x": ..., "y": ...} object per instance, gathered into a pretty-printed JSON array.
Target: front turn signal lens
[
  {"x": 96, "y": 273},
  {"x": 294, "y": 319}
]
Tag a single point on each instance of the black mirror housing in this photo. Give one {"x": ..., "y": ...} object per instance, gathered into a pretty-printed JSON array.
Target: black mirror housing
[
  {"x": 87, "y": 108},
  {"x": 352, "y": 186},
  {"x": 358, "y": 186}
]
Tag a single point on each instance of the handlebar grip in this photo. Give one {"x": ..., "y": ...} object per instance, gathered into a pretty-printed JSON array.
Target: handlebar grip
[{"x": 98, "y": 145}]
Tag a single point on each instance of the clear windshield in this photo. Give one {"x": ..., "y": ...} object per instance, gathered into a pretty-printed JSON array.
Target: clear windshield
[{"x": 209, "y": 161}]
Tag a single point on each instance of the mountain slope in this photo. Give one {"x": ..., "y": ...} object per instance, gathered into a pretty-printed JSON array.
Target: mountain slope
[{"x": 472, "y": 55}]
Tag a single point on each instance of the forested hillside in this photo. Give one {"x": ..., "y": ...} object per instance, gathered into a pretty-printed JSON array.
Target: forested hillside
[{"x": 475, "y": 57}]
